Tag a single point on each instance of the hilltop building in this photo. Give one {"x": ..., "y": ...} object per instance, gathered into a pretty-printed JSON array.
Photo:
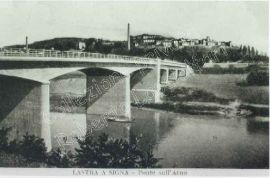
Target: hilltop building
[
  {"x": 81, "y": 45},
  {"x": 151, "y": 41}
]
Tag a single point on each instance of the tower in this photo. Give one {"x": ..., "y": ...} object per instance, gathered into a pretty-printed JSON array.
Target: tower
[
  {"x": 26, "y": 43},
  {"x": 128, "y": 36}
]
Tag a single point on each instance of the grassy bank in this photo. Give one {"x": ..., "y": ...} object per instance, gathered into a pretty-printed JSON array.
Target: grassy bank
[
  {"x": 179, "y": 99},
  {"x": 200, "y": 102},
  {"x": 191, "y": 101},
  {"x": 187, "y": 109},
  {"x": 216, "y": 69},
  {"x": 219, "y": 70},
  {"x": 256, "y": 110},
  {"x": 227, "y": 86},
  {"x": 187, "y": 94}
]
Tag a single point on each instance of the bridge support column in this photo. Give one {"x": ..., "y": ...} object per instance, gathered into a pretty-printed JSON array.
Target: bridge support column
[
  {"x": 45, "y": 114},
  {"x": 181, "y": 72},
  {"x": 25, "y": 108},
  {"x": 145, "y": 86},
  {"x": 108, "y": 95},
  {"x": 164, "y": 76},
  {"x": 173, "y": 74}
]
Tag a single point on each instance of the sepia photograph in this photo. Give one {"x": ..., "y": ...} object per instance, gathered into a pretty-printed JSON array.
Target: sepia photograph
[{"x": 138, "y": 88}]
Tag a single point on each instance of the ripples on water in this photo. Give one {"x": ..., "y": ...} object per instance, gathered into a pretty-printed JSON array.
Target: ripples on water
[{"x": 181, "y": 140}]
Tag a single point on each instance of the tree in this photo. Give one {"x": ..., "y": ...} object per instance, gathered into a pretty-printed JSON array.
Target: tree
[
  {"x": 4, "y": 145},
  {"x": 89, "y": 44},
  {"x": 244, "y": 51},
  {"x": 32, "y": 148},
  {"x": 252, "y": 52},
  {"x": 248, "y": 51},
  {"x": 105, "y": 152},
  {"x": 59, "y": 159},
  {"x": 256, "y": 52}
]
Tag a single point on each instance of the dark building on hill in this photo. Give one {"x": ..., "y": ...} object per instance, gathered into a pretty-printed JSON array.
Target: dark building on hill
[{"x": 152, "y": 41}]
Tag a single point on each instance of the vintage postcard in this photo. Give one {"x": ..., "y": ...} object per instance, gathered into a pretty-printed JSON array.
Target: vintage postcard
[{"x": 134, "y": 88}]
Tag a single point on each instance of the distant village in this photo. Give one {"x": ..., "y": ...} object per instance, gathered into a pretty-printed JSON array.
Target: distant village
[
  {"x": 152, "y": 41},
  {"x": 155, "y": 41}
]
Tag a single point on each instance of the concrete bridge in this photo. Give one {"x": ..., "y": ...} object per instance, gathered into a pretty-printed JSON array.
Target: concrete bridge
[{"x": 112, "y": 82}]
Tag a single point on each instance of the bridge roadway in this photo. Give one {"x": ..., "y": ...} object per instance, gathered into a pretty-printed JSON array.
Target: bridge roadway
[{"x": 112, "y": 83}]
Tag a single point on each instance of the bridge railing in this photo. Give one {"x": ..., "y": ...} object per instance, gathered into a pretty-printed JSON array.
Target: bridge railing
[
  {"x": 67, "y": 54},
  {"x": 20, "y": 52},
  {"x": 173, "y": 63}
]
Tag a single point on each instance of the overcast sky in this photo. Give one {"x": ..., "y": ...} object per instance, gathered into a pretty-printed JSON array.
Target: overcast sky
[{"x": 239, "y": 22}]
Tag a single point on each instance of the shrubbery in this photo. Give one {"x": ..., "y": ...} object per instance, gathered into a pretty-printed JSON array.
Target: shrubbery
[
  {"x": 184, "y": 94},
  {"x": 106, "y": 152},
  {"x": 103, "y": 152},
  {"x": 216, "y": 69},
  {"x": 258, "y": 77},
  {"x": 59, "y": 159},
  {"x": 4, "y": 145}
]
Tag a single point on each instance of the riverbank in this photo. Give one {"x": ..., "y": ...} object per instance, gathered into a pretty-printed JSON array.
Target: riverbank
[
  {"x": 197, "y": 108},
  {"x": 200, "y": 102},
  {"x": 175, "y": 99},
  {"x": 227, "y": 86}
]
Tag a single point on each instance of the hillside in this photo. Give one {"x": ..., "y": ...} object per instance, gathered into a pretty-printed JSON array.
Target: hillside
[
  {"x": 195, "y": 56},
  {"x": 62, "y": 44}
]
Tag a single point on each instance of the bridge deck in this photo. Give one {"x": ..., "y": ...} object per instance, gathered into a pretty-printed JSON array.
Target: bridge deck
[{"x": 77, "y": 56}]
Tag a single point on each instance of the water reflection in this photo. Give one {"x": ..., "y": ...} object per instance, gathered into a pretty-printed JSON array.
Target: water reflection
[
  {"x": 185, "y": 141},
  {"x": 96, "y": 125},
  {"x": 65, "y": 128},
  {"x": 258, "y": 125},
  {"x": 148, "y": 126}
]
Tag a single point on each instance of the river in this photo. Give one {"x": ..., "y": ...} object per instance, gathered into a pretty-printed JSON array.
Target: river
[{"x": 181, "y": 140}]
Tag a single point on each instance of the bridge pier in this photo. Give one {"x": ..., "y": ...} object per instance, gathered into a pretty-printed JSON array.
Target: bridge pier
[
  {"x": 24, "y": 106},
  {"x": 181, "y": 72},
  {"x": 108, "y": 94},
  {"x": 45, "y": 114},
  {"x": 173, "y": 74},
  {"x": 164, "y": 76}
]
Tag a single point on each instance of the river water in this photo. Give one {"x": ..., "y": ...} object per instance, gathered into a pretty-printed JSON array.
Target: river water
[{"x": 181, "y": 140}]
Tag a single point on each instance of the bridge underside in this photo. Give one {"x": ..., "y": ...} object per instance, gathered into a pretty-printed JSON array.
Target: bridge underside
[
  {"x": 145, "y": 86},
  {"x": 25, "y": 94},
  {"x": 107, "y": 93}
]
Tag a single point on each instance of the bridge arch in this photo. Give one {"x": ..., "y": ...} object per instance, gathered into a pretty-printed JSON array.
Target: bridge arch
[
  {"x": 137, "y": 75},
  {"x": 145, "y": 85},
  {"x": 44, "y": 75}
]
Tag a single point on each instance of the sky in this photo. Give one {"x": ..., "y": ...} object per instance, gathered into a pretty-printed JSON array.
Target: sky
[{"x": 239, "y": 22}]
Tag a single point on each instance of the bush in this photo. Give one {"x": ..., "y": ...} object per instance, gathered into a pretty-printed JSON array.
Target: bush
[
  {"x": 183, "y": 94},
  {"x": 4, "y": 145},
  {"x": 103, "y": 152},
  {"x": 32, "y": 148},
  {"x": 258, "y": 77},
  {"x": 59, "y": 159},
  {"x": 216, "y": 69},
  {"x": 106, "y": 152}
]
